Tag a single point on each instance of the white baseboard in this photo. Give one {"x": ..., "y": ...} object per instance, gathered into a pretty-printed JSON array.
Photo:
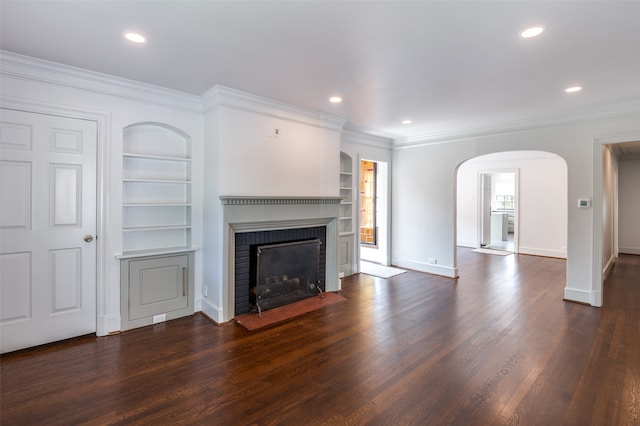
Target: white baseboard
[
  {"x": 561, "y": 254},
  {"x": 608, "y": 266},
  {"x": 468, "y": 243},
  {"x": 106, "y": 325},
  {"x": 629, "y": 250},
  {"x": 212, "y": 311},
  {"x": 445, "y": 271},
  {"x": 576, "y": 295}
]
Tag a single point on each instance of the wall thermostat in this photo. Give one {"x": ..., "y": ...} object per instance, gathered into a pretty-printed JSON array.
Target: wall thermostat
[{"x": 584, "y": 203}]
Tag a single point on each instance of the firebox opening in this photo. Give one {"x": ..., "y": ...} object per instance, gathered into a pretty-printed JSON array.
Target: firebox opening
[
  {"x": 284, "y": 273},
  {"x": 245, "y": 260}
]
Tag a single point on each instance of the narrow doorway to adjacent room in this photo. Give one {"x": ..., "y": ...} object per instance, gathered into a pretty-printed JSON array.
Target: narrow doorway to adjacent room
[
  {"x": 498, "y": 210},
  {"x": 373, "y": 216}
]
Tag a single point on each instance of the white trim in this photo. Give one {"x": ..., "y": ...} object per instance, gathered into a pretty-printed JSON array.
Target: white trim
[
  {"x": 607, "y": 268},
  {"x": 576, "y": 295},
  {"x": 610, "y": 111},
  {"x": 445, "y": 271},
  {"x": 629, "y": 250},
  {"x": 219, "y": 96},
  {"x": 104, "y": 323},
  {"x": 349, "y": 136},
  {"x": 212, "y": 311},
  {"x": 560, "y": 254},
  {"x": 28, "y": 68},
  {"x": 467, "y": 243},
  {"x": 110, "y": 324}
]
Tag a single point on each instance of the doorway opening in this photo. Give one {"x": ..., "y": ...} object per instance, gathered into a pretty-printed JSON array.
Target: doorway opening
[
  {"x": 373, "y": 215},
  {"x": 535, "y": 193},
  {"x": 498, "y": 210},
  {"x": 368, "y": 200}
]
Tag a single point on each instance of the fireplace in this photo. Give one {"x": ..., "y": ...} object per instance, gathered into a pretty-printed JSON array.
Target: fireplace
[
  {"x": 266, "y": 221},
  {"x": 268, "y": 263},
  {"x": 285, "y": 273}
]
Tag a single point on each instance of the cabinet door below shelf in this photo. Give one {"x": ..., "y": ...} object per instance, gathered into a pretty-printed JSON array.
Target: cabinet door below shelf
[{"x": 156, "y": 285}]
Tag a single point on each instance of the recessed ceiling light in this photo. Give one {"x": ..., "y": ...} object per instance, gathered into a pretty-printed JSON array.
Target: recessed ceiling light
[
  {"x": 335, "y": 99},
  {"x": 134, "y": 37},
  {"x": 573, "y": 89},
  {"x": 406, "y": 121},
  {"x": 532, "y": 31}
]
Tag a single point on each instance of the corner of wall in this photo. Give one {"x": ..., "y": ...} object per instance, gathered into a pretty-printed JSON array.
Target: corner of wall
[
  {"x": 577, "y": 295},
  {"x": 212, "y": 311}
]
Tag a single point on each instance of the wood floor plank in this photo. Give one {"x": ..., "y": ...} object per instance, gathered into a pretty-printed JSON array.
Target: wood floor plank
[{"x": 496, "y": 346}]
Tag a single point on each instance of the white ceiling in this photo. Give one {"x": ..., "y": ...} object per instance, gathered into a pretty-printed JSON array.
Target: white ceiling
[{"x": 448, "y": 66}]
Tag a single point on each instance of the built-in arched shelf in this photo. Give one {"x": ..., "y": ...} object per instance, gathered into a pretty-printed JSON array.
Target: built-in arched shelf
[
  {"x": 157, "y": 261},
  {"x": 346, "y": 193},
  {"x": 156, "y": 189},
  {"x": 346, "y": 221}
]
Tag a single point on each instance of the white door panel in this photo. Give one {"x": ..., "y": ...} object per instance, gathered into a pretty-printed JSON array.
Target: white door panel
[{"x": 48, "y": 206}]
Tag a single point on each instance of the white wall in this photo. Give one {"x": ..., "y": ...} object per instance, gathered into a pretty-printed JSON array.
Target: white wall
[
  {"x": 303, "y": 160},
  {"x": 37, "y": 85},
  {"x": 629, "y": 206},
  {"x": 423, "y": 182},
  {"x": 542, "y": 200},
  {"x": 213, "y": 234}
]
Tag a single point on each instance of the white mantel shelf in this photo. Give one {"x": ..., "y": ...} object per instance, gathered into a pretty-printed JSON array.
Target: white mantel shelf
[{"x": 259, "y": 200}]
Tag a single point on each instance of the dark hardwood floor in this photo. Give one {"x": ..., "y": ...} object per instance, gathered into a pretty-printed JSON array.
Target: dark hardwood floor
[{"x": 498, "y": 346}]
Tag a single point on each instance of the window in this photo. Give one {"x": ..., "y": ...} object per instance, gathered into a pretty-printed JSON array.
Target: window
[{"x": 504, "y": 202}]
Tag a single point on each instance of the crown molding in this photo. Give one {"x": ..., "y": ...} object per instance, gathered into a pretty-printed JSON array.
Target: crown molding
[
  {"x": 220, "y": 96},
  {"x": 591, "y": 114},
  {"x": 28, "y": 68},
  {"x": 350, "y": 136}
]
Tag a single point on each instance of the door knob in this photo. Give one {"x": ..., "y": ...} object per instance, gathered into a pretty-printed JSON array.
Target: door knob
[{"x": 88, "y": 238}]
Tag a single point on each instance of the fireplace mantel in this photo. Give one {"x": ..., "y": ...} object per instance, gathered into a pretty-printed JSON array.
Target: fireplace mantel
[
  {"x": 264, "y": 213},
  {"x": 251, "y": 201}
]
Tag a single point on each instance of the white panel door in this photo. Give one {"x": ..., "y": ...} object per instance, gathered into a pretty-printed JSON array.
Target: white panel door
[{"x": 47, "y": 228}]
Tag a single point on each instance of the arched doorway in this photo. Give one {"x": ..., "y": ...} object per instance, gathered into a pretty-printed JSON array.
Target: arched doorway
[{"x": 531, "y": 205}]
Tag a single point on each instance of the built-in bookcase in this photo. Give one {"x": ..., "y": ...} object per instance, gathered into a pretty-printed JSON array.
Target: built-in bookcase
[
  {"x": 346, "y": 193},
  {"x": 346, "y": 244},
  {"x": 156, "y": 189},
  {"x": 157, "y": 280}
]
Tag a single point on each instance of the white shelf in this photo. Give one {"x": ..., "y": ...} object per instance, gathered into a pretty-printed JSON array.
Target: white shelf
[
  {"x": 156, "y": 157},
  {"x": 155, "y": 252},
  {"x": 156, "y": 190},
  {"x": 345, "y": 225},
  {"x": 179, "y": 182},
  {"x": 154, "y": 228}
]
